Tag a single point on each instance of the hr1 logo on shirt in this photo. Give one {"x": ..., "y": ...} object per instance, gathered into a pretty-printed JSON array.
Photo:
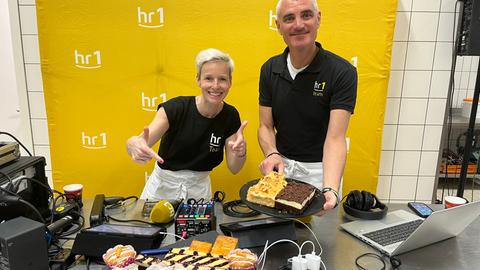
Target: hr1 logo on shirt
[
  {"x": 152, "y": 19},
  {"x": 94, "y": 142},
  {"x": 83, "y": 60},
  {"x": 271, "y": 20},
  {"x": 214, "y": 143},
  {"x": 318, "y": 88},
  {"x": 150, "y": 104}
]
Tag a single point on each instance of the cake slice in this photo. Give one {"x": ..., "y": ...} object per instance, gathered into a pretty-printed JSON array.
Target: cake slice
[
  {"x": 295, "y": 197},
  {"x": 265, "y": 191}
]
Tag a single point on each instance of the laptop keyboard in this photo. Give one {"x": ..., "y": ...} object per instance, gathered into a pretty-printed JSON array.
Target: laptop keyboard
[{"x": 394, "y": 234}]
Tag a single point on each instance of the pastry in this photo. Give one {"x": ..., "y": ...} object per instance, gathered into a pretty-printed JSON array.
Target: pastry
[
  {"x": 267, "y": 188},
  {"x": 295, "y": 197}
]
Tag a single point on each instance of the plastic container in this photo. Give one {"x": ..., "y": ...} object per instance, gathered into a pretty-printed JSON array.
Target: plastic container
[{"x": 467, "y": 108}]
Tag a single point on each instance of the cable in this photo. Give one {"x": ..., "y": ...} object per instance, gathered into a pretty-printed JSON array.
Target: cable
[
  {"x": 131, "y": 220},
  {"x": 373, "y": 255},
  {"x": 20, "y": 200},
  {"x": 238, "y": 209},
  {"x": 8, "y": 178},
  {"x": 26, "y": 150}
]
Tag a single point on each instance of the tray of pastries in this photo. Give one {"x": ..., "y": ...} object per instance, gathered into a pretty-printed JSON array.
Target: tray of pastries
[{"x": 275, "y": 195}]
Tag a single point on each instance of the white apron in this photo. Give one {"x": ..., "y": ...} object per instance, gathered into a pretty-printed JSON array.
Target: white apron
[
  {"x": 309, "y": 172},
  {"x": 173, "y": 185}
]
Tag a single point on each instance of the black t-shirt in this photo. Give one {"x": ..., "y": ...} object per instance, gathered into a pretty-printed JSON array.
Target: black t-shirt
[
  {"x": 192, "y": 141},
  {"x": 301, "y": 107}
]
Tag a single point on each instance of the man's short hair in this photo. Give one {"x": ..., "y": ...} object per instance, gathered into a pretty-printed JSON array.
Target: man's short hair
[
  {"x": 314, "y": 4},
  {"x": 209, "y": 55}
]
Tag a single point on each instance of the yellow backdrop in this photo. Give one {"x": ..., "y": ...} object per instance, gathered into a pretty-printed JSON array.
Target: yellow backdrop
[{"x": 106, "y": 65}]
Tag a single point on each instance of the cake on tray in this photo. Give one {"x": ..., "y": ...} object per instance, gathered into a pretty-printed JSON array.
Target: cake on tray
[
  {"x": 267, "y": 188},
  {"x": 295, "y": 197}
]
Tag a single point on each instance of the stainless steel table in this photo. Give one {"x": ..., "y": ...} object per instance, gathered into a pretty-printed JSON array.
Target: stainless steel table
[{"x": 341, "y": 249}]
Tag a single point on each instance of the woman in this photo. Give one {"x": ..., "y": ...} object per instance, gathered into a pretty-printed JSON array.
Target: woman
[{"x": 194, "y": 130}]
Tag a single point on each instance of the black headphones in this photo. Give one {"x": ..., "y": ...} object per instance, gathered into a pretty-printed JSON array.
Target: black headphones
[{"x": 361, "y": 204}]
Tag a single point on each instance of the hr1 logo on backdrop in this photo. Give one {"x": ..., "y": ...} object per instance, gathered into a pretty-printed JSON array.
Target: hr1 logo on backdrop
[
  {"x": 83, "y": 60},
  {"x": 150, "y": 19},
  {"x": 150, "y": 104},
  {"x": 271, "y": 20},
  {"x": 94, "y": 142}
]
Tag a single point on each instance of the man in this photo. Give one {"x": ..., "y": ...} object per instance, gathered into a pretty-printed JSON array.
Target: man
[{"x": 307, "y": 95}]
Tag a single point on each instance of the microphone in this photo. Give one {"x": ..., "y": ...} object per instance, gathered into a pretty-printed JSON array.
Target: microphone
[
  {"x": 164, "y": 211},
  {"x": 59, "y": 225}
]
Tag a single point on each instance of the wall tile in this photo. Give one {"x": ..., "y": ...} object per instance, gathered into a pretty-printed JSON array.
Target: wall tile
[
  {"x": 467, "y": 63},
  {"x": 44, "y": 151},
  {"x": 389, "y": 137},
  {"x": 31, "y": 51},
  {"x": 40, "y": 131},
  {"x": 472, "y": 80},
  {"x": 399, "y": 50},
  {"x": 392, "y": 111},
  {"x": 425, "y": 187},
  {"x": 416, "y": 84},
  {"x": 28, "y": 20},
  {"x": 443, "y": 56},
  {"x": 432, "y": 138},
  {"x": 49, "y": 175},
  {"x": 383, "y": 187},
  {"x": 428, "y": 163},
  {"x": 464, "y": 80},
  {"x": 406, "y": 162},
  {"x": 412, "y": 111},
  {"x": 448, "y": 6},
  {"x": 386, "y": 163},
  {"x": 404, "y": 5},
  {"x": 395, "y": 83},
  {"x": 403, "y": 187},
  {"x": 426, "y": 5},
  {"x": 34, "y": 77},
  {"x": 402, "y": 23},
  {"x": 409, "y": 137},
  {"x": 475, "y": 61},
  {"x": 436, "y": 111},
  {"x": 423, "y": 26},
  {"x": 440, "y": 84},
  {"x": 445, "y": 27},
  {"x": 26, "y": 2},
  {"x": 419, "y": 56},
  {"x": 37, "y": 105}
]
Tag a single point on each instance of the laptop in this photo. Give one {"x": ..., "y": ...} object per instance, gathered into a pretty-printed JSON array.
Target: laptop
[{"x": 401, "y": 231}]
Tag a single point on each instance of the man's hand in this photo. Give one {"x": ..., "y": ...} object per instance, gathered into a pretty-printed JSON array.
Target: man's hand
[
  {"x": 273, "y": 162},
  {"x": 239, "y": 146},
  {"x": 138, "y": 149},
  {"x": 330, "y": 202}
]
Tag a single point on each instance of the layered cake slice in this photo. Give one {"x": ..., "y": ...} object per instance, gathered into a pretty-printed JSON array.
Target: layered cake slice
[
  {"x": 295, "y": 197},
  {"x": 266, "y": 189}
]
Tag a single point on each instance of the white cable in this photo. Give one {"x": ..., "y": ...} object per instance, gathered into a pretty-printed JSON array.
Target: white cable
[
  {"x": 316, "y": 239},
  {"x": 263, "y": 256},
  {"x": 306, "y": 242},
  {"x": 173, "y": 235}
]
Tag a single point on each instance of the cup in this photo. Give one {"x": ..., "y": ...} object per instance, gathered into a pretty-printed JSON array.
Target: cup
[
  {"x": 73, "y": 192},
  {"x": 452, "y": 201}
]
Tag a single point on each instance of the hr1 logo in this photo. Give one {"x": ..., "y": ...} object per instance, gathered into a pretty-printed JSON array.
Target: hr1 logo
[
  {"x": 153, "y": 19},
  {"x": 150, "y": 104},
  {"x": 271, "y": 21},
  {"x": 215, "y": 143},
  {"x": 94, "y": 142},
  {"x": 88, "y": 60}
]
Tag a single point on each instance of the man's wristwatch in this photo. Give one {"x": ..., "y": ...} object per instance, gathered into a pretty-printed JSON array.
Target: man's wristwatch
[{"x": 329, "y": 189}]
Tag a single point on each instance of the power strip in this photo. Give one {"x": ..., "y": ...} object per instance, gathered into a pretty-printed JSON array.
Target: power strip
[{"x": 310, "y": 262}]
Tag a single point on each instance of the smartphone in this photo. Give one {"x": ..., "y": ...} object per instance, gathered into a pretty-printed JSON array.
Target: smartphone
[{"x": 420, "y": 209}]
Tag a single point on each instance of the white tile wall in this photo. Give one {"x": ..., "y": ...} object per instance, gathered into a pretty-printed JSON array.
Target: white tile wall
[
  {"x": 417, "y": 95},
  {"x": 409, "y": 137},
  {"x": 389, "y": 137},
  {"x": 37, "y": 105},
  {"x": 31, "y": 51},
  {"x": 34, "y": 77},
  {"x": 28, "y": 20}
]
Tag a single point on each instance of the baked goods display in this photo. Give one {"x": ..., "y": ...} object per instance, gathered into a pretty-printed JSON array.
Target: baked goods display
[
  {"x": 274, "y": 191},
  {"x": 119, "y": 256},
  {"x": 295, "y": 197},
  {"x": 222, "y": 256},
  {"x": 265, "y": 191}
]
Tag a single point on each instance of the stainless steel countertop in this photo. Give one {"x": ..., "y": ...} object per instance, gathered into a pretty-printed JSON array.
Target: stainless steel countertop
[{"x": 340, "y": 249}]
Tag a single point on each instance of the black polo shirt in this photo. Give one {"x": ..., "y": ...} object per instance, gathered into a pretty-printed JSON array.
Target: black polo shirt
[{"x": 301, "y": 107}]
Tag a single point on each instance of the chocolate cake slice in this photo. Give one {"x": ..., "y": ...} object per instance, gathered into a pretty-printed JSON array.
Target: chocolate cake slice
[{"x": 295, "y": 197}]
